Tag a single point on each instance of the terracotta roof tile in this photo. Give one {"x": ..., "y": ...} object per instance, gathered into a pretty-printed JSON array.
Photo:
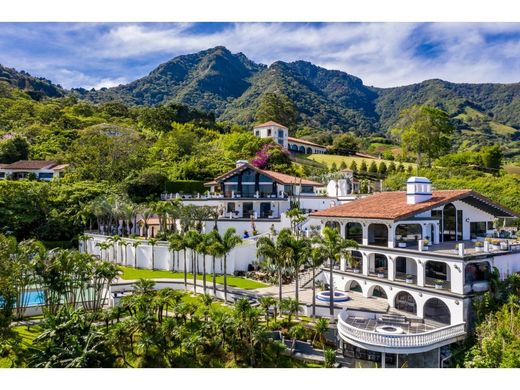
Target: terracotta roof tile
[
  {"x": 390, "y": 205},
  {"x": 31, "y": 164},
  {"x": 288, "y": 179},
  {"x": 270, "y": 123},
  {"x": 305, "y": 142}
]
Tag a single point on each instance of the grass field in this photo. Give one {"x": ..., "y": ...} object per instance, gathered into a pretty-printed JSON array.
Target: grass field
[
  {"x": 513, "y": 169},
  {"x": 233, "y": 281},
  {"x": 27, "y": 338},
  {"x": 328, "y": 159}
]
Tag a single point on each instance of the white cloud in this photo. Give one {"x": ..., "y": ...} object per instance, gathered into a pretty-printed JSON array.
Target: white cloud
[{"x": 381, "y": 54}]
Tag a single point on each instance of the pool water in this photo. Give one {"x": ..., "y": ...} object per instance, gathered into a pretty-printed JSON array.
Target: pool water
[{"x": 34, "y": 298}]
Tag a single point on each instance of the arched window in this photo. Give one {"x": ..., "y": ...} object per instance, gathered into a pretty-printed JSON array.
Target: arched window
[
  {"x": 476, "y": 272},
  {"x": 334, "y": 225},
  {"x": 436, "y": 310},
  {"x": 354, "y": 231},
  {"x": 378, "y": 292},
  {"x": 405, "y": 302},
  {"x": 354, "y": 286},
  {"x": 378, "y": 234},
  {"x": 302, "y": 149},
  {"x": 309, "y": 150},
  {"x": 449, "y": 228}
]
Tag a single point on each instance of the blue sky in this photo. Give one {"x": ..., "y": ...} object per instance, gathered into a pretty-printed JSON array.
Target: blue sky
[{"x": 383, "y": 54}]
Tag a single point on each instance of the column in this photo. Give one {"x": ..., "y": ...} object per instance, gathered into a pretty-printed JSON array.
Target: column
[
  {"x": 342, "y": 263},
  {"x": 365, "y": 233},
  {"x": 391, "y": 267},
  {"x": 436, "y": 230},
  {"x": 391, "y": 236},
  {"x": 365, "y": 263},
  {"x": 420, "y": 272}
]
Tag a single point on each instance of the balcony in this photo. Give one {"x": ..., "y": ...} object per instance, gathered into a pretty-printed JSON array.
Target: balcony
[{"x": 382, "y": 334}]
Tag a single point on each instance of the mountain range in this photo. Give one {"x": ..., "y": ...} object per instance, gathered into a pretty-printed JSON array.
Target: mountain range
[{"x": 232, "y": 86}]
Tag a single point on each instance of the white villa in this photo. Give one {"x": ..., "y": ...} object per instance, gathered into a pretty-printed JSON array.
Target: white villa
[
  {"x": 280, "y": 134},
  {"x": 422, "y": 254},
  {"x": 41, "y": 169}
]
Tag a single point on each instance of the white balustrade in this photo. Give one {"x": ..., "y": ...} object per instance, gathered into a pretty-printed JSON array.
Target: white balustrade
[{"x": 415, "y": 340}]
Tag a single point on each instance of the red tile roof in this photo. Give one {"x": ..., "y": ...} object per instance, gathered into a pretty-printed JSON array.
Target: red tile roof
[
  {"x": 390, "y": 205},
  {"x": 305, "y": 142},
  {"x": 276, "y": 176},
  {"x": 270, "y": 123},
  {"x": 31, "y": 164}
]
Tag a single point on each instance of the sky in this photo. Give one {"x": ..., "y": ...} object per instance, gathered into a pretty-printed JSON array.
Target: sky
[{"x": 95, "y": 55}]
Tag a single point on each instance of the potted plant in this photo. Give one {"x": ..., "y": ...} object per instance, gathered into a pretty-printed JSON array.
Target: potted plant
[
  {"x": 381, "y": 272},
  {"x": 354, "y": 263},
  {"x": 439, "y": 284},
  {"x": 426, "y": 243},
  {"x": 409, "y": 278},
  {"x": 479, "y": 246},
  {"x": 495, "y": 245}
]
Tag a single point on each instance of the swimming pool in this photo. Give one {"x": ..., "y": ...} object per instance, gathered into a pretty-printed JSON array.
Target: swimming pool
[{"x": 33, "y": 298}]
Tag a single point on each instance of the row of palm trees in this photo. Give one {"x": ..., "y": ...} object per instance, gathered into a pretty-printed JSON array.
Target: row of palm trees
[
  {"x": 291, "y": 249},
  {"x": 117, "y": 214},
  {"x": 199, "y": 245}
]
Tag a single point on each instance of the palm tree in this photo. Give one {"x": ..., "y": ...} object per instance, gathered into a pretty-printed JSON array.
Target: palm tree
[
  {"x": 84, "y": 238},
  {"x": 321, "y": 326},
  {"x": 203, "y": 248},
  {"x": 152, "y": 242},
  {"x": 176, "y": 244},
  {"x": 229, "y": 241},
  {"x": 115, "y": 242},
  {"x": 215, "y": 249},
  {"x": 316, "y": 259},
  {"x": 192, "y": 239},
  {"x": 271, "y": 250},
  {"x": 290, "y": 306},
  {"x": 333, "y": 245},
  {"x": 135, "y": 244},
  {"x": 296, "y": 332},
  {"x": 296, "y": 252},
  {"x": 266, "y": 303}
]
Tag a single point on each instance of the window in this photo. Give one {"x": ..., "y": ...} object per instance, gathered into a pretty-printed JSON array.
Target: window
[
  {"x": 459, "y": 225},
  {"x": 269, "y": 132},
  {"x": 247, "y": 210},
  {"x": 307, "y": 189},
  {"x": 45, "y": 175},
  {"x": 231, "y": 207},
  {"x": 477, "y": 229},
  {"x": 280, "y": 133},
  {"x": 257, "y": 133}
]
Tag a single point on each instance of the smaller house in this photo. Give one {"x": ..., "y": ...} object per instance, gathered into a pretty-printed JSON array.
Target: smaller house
[
  {"x": 41, "y": 169},
  {"x": 280, "y": 134}
]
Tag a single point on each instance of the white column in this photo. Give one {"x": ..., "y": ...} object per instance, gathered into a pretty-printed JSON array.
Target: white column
[
  {"x": 391, "y": 267},
  {"x": 420, "y": 272},
  {"x": 365, "y": 234},
  {"x": 391, "y": 236},
  {"x": 365, "y": 263},
  {"x": 436, "y": 230},
  {"x": 342, "y": 263}
]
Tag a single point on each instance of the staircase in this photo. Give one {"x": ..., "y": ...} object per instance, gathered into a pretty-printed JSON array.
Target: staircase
[
  {"x": 305, "y": 279},
  {"x": 393, "y": 319}
]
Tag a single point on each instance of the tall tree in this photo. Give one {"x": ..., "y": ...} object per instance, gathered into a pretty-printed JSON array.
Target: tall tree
[
  {"x": 333, "y": 247},
  {"x": 277, "y": 107},
  {"x": 424, "y": 130}
]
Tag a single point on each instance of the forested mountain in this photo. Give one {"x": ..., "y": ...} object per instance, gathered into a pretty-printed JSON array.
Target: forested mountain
[
  {"x": 36, "y": 87},
  {"x": 232, "y": 86}
]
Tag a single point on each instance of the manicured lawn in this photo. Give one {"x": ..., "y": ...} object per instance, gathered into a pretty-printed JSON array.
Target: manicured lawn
[
  {"x": 233, "y": 281},
  {"x": 27, "y": 336},
  {"x": 328, "y": 159}
]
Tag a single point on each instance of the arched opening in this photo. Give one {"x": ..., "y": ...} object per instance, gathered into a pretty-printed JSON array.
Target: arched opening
[
  {"x": 354, "y": 231},
  {"x": 333, "y": 225},
  {"x": 476, "y": 276},
  {"x": 378, "y": 234},
  {"x": 294, "y": 147},
  {"x": 405, "y": 269},
  {"x": 353, "y": 286},
  {"x": 405, "y": 302},
  {"x": 408, "y": 235},
  {"x": 378, "y": 265},
  {"x": 437, "y": 273},
  {"x": 302, "y": 149},
  {"x": 355, "y": 261},
  {"x": 449, "y": 218},
  {"x": 377, "y": 292},
  {"x": 309, "y": 150},
  {"x": 436, "y": 310}
]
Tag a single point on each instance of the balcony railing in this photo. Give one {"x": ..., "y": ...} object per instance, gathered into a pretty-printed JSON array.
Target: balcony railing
[{"x": 414, "y": 340}]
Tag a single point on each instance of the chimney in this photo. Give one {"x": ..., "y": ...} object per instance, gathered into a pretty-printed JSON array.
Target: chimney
[
  {"x": 239, "y": 163},
  {"x": 418, "y": 190}
]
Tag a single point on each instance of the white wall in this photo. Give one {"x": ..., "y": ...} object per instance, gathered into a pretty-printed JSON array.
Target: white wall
[{"x": 237, "y": 260}]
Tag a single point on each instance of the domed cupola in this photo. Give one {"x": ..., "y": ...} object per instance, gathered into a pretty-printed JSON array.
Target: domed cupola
[{"x": 418, "y": 189}]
